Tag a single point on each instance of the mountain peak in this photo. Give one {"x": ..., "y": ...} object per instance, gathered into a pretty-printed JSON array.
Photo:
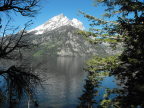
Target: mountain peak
[
  {"x": 58, "y": 17},
  {"x": 56, "y": 22}
]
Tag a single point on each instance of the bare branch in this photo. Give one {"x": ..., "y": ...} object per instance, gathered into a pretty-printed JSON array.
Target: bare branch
[
  {"x": 14, "y": 42},
  {"x": 24, "y": 7}
]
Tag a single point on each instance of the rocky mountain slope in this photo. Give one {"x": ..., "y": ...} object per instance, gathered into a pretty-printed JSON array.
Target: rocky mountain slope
[
  {"x": 65, "y": 41},
  {"x": 58, "y": 36}
]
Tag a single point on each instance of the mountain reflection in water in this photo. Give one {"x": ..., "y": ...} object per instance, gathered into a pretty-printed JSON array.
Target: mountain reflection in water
[{"x": 63, "y": 81}]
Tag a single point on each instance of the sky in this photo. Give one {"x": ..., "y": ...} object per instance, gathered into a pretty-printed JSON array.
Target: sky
[{"x": 50, "y": 8}]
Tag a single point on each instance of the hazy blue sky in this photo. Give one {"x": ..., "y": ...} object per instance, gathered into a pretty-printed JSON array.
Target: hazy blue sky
[{"x": 69, "y": 8}]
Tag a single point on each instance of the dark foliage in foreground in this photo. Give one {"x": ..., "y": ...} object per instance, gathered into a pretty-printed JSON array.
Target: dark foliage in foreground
[
  {"x": 19, "y": 80},
  {"x": 127, "y": 28}
]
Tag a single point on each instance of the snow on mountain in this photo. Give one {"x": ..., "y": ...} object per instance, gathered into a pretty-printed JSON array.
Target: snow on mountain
[{"x": 56, "y": 22}]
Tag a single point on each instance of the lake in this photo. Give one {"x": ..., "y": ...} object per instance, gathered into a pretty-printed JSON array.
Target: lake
[{"x": 63, "y": 80}]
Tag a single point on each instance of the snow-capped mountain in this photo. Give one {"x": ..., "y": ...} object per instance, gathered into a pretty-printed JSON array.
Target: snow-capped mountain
[
  {"x": 58, "y": 36},
  {"x": 56, "y": 22}
]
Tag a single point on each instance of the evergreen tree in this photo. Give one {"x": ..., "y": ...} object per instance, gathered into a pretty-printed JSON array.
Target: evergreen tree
[{"x": 128, "y": 28}]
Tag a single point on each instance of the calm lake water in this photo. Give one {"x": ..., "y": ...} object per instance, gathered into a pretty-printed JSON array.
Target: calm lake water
[{"x": 63, "y": 80}]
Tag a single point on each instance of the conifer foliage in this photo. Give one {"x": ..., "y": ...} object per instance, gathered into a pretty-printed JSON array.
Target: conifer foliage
[{"x": 128, "y": 29}]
